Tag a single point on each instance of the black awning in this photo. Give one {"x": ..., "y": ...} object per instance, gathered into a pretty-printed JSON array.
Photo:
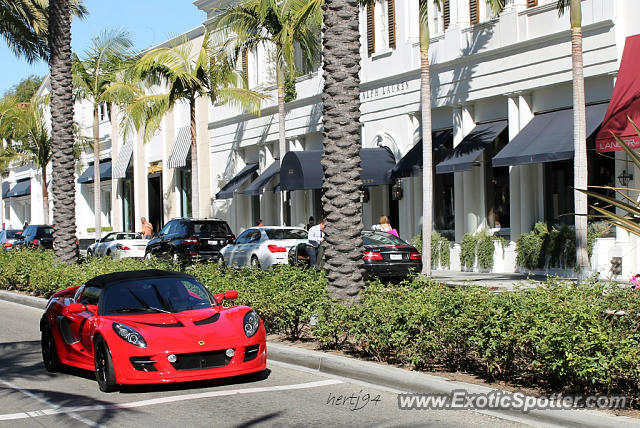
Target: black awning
[
  {"x": 411, "y": 163},
  {"x": 227, "y": 190},
  {"x": 105, "y": 173},
  {"x": 5, "y": 189},
  {"x": 301, "y": 170},
  {"x": 21, "y": 188},
  {"x": 463, "y": 156},
  {"x": 257, "y": 186},
  {"x": 376, "y": 164},
  {"x": 548, "y": 137}
]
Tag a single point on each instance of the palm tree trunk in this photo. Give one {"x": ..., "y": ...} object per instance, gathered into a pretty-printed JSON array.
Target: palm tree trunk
[
  {"x": 97, "y": 201},
  {"x": 341, "y": 157},
  {"x": 579, "y": 142},
  {"x": 282, "y": 142},
  {"x": 45, "y": 195},
  {"x": 195, "y": 187},
  {"x": 62, "y": 131},
  {"x": 427, "y": 153}
]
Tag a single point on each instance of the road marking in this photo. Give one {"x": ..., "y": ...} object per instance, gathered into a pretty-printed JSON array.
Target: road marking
[
  {"x": 57, "y": 410},
  {"x": 37, "y": 413}
]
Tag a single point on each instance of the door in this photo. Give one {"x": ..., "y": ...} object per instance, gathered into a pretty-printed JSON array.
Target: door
[
  {"x": 156, "y": 215},
  {"x": 248, "y": 248},
  {"x": 161, "y": 245},
  {"x": 75, "y": 327},
  {"x": 235, "y": 253}
]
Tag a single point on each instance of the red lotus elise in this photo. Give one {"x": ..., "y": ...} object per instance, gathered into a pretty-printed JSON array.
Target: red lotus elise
[{"x": 150, "y": 326}]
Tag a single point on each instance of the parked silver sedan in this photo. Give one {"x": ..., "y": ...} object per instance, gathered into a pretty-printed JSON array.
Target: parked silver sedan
[
  {"x": 262, "y": 247},
  {"x": 119, "y": 245}
]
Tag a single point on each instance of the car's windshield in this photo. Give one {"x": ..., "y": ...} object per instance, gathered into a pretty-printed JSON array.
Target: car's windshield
[
  {"x": 286, "y": 233},
  {"x": 381, "y": 238},
  {"x": 210, "y": 228},
  {"x": 129, "y": 236},
  {"x": 155, "y": 295}
]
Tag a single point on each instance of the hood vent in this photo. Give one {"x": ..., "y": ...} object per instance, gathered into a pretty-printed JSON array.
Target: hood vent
[
  {"x": 209, "y": 320},
  {"x": 178, "y": 324}
]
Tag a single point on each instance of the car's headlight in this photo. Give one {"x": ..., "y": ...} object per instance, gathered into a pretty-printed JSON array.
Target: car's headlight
[
  {"x": 129, "y": 334},
  {"x": 251, "y": 323}
]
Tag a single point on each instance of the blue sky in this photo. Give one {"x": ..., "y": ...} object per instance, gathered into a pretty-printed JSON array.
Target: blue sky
[{"x": 149, "y": 22}]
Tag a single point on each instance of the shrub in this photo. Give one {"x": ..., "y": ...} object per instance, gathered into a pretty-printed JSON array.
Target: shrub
[
  {"x": 440, "y": 249},
  {"x": 468, "y": 250}
]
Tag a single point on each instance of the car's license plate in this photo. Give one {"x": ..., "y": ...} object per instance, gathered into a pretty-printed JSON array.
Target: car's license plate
[
  {"x": 395, "y": 256},
  {"x": 212, "y": 242}
]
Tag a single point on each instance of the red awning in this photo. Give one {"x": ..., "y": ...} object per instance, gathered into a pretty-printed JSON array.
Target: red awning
[{"x": 625, "y": 101}]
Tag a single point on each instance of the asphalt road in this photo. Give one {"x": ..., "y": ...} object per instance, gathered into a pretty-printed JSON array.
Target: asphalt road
[{"x": 31, "y": 397}]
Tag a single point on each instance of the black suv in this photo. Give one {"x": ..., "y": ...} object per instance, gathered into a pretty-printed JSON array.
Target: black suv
[
  {"x": 37, "y": 235},
  {"x": 187, "y": 239}
]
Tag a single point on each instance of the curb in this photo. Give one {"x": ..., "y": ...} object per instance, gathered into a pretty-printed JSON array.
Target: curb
[{"x": 404, "y": 380}]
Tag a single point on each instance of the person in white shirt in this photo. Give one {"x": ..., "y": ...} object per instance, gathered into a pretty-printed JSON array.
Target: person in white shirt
[{"x": 316, "y": 238}]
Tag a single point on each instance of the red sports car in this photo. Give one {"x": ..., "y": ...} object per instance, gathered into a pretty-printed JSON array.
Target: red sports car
[{"x": 150, "y": 326}]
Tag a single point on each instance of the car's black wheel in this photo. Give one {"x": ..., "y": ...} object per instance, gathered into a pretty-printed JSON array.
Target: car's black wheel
[
  {"x": 105, "y": 374},
  {"x": 255, "y": 263},
  {"x": 49, "y": 351}
]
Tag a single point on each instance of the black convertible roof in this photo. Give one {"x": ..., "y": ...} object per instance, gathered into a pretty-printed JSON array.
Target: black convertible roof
[{"x": 109, "y": 279}]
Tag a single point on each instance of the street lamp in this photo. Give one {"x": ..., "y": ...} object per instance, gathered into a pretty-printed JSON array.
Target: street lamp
[{"x": 624, "y": 178}]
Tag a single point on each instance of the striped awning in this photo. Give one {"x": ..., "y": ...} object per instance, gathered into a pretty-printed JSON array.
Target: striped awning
[
  {"x": 123, "y": 159},
  {"x": 181, "y": 148}
]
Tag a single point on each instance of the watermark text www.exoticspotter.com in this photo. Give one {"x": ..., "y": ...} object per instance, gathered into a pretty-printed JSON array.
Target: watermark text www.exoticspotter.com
[{"x": 501, "y": 400}]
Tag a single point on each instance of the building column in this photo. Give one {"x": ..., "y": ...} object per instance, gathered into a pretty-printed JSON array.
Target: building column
[
  {"x": 140, "y": 184},
  {"x": 528, "y": 175},
  {"x": 473, "y": 187},
  {"x": 514, "y": 171},
  {"x": 204, "y": 157},
  {"x": 458, "y": 182},
  {"x": 116, "y": 188},
  {"x": 170, "y": 176}
]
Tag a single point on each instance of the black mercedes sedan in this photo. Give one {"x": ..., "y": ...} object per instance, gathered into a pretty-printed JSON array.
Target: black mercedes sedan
[{"x": 385, "y": 256}]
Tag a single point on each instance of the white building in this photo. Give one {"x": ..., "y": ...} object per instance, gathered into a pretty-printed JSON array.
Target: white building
[{"x": 497, "y": 83}]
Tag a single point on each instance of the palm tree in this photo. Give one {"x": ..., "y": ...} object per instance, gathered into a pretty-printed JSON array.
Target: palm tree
[
  {"x": 283, "y": 25},
  {"x": 341, "y": 158},
  {"x": 23, "y": 25},
  {"x": 62, "y": 131},
  {"x": 579, "y": 135},
  {"x": 92, "y": 76},
  {"x": 34, "y": 142},
  {"x": 185, "y": 78}
]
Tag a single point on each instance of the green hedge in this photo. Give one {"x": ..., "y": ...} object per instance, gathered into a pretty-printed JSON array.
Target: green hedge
[{"x": 557, "y": 335}]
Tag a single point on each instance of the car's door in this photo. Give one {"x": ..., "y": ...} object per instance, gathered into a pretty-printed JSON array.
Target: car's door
[
  {"x": 231, "y": 258},
  {"x": 161, "y": 245},
  {"x": 75, "y": 326},
  {"x": 252, "y": 239},
  {"x": 101, "y": 248}
]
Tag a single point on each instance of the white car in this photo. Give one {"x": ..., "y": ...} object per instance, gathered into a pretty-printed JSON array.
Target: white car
[
  {"x": 262, "y": 247},
  {"x": 119, "y": 245}
]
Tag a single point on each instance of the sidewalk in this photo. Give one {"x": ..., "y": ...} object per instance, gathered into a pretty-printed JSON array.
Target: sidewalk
[
  {"x": 406, "y": 380},
  {"x": 487, "y": 279}
]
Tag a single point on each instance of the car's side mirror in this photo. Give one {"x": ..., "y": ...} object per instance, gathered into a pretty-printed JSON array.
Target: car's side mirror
[
  {"x": 227, "y": 295},
  {"x": 75, "y": 308}
]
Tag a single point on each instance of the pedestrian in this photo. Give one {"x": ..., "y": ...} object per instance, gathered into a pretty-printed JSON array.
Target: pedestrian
[
  {"x": 147, "y": 229},
  {"x": 311, "y": 223},
  {"x": 259, "y": 223},
  {"x": 316, "y": 238},
  {"x": 384, "y": 226}
]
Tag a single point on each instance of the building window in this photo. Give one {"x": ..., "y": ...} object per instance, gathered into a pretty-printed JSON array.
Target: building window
[
  {"x": 381, "y": 26},
  {"x": 443, "y": 192},
  {"x": 558, "y": 179},
  {"x": 185, "y": 192},
  {"x": 446, "y": 14},
  {"x": 106, "y": 207},
  {"x": 532, "y": 3},
  {"x": 497, "y": 186},
  {"x": 474, "y": 15}
]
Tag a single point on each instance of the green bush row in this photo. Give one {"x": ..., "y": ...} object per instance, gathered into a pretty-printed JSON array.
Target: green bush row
[
  {"x": 556, "y": 248},
  {"x": 478, "y": 246},
  {"x": 557, "y": 335},
  {"x": 440, "y": 249}
]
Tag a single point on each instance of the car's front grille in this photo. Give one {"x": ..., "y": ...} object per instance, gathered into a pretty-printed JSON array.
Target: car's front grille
[
  {"x": 251, "y": 352},
  {"x": 201, "y": 360}
]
